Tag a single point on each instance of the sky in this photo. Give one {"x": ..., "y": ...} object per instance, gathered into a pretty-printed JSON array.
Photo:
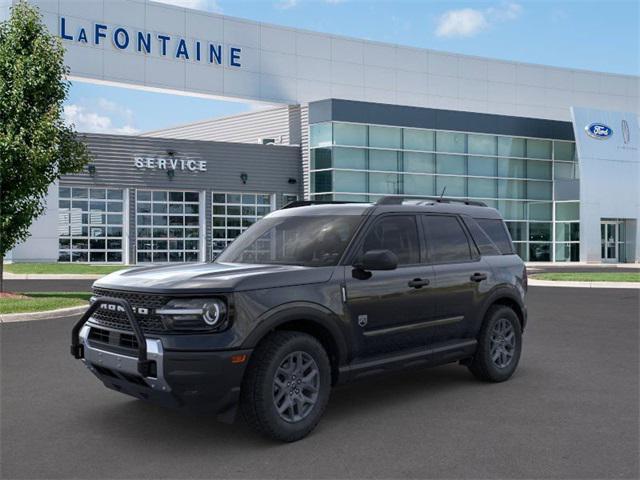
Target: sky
[{"x": 601, "y": 35}]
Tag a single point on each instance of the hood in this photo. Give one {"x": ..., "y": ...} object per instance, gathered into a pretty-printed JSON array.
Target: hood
[{"x": 212, "y": 277}]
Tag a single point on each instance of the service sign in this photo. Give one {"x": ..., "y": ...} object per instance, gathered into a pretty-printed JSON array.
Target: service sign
[{"x": 170, "y": 163}]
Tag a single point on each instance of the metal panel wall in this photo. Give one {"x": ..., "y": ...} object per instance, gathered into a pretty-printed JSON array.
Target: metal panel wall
[{"x": 281, "y": 124}]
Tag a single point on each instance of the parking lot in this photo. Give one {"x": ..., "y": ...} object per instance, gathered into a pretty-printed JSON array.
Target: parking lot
[{"x": 571, "y": 411}]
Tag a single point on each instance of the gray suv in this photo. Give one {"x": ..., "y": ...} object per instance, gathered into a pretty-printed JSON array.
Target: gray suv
[{"x": 311, "y": 296}]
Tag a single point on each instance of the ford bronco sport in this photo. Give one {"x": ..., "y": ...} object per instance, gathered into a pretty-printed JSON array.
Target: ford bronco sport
[{"x": 311, "y": 296}]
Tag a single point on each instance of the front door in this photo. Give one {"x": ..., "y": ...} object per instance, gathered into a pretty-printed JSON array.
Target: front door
[
  {"x": 389, "y": 310},
  {"x": 609, "y": 241}
]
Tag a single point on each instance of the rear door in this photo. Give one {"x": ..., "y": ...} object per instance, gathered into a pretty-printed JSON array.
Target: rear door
[
  {"x": 461, "y": 276},
  {"x": 389, "y": 309}
]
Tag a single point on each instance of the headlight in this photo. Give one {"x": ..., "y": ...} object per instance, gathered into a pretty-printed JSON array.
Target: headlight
[{"x": 194, "y": 314}]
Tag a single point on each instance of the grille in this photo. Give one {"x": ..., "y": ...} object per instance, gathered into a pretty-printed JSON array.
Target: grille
[{"x": 116, "y": 319}]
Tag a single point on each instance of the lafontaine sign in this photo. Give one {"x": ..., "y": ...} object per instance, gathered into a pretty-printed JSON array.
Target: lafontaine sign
[
  {"x": 171, "y": 163},
  {"x": 163, "y": 45}
]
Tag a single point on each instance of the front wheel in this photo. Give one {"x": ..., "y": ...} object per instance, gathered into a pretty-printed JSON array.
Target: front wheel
[
  {"x": 499, "y": 345},
  {"x": 287, "y": 386}
]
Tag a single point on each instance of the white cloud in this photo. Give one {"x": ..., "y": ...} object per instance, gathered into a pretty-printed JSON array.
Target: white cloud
[
  {"x": 286, "y": 4},
  {"x": 105, "y": 117},
  {"x": 467, "y": 22},
  {"x": 207, "y": 5}
]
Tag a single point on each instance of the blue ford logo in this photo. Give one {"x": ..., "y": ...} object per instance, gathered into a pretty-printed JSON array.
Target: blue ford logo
[{"x": 599, "y": 130}]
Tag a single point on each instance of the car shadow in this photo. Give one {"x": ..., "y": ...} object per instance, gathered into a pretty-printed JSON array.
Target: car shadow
[{"x": 369, "y": 397}]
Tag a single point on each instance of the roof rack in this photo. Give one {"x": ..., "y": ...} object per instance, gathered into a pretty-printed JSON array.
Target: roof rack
[
  {"x": 397, "y": 200},
  {"x": 306, "y": 203}
]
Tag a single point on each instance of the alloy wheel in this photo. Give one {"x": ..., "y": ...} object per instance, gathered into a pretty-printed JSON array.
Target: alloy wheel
[{"x": 296, "y": 385}]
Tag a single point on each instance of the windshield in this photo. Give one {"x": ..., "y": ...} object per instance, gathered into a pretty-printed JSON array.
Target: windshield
[{"x": 312, "y": 241}]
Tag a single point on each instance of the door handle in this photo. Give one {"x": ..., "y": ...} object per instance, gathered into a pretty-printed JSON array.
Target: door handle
[
  {"x": 478, "y": 277},
  {"x": 418, "y": 282}
]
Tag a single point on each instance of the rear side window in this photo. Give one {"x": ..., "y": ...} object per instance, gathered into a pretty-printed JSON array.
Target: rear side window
[
  {"x": 397, "y": 233},
  {"x": 484, "y": 243},
  {"x": 497, "y": 232},
  {"x": 446, "y": 240}
]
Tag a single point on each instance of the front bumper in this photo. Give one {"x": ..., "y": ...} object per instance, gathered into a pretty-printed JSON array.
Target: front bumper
[{"x": 143, "y": 368}]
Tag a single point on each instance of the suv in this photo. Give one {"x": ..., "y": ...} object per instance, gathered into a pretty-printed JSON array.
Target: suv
[{"x": 311, "y": 296}]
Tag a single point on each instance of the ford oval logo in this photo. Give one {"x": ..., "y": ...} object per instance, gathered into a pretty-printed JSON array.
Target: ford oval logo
[{"x": 599, "y": 131}]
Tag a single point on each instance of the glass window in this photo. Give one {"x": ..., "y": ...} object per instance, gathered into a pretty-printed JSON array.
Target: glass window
[
  {"x": 385, "y": 137},
  {"x": 452, "y": 164},
  {"x": 242, "y": 211},
  {"x": 512, "y": 210},
  {"x": 564, "y": 150},
  {"x": 320, "y": 158},
  {"x": 511, "y": 147},
  {"x": 451, "y": 142},
  {"x": 350, "y": 181},
  {"x": 539, "y": 210},
  {"x": 419, "y": 162},
  {"x": 313, "y": 241},
  {"x": 522, "y": 251},
  {"x": 567, "y": 211},
  {"x": 320, "y": 135},
  {"x": 539, "y": 190},
  {"x": 497, "y": 232},
  {"x": 566, "y": 170},
  {"x": 384, "y": 160},
  {"x": 539, "y": 252},
  {"x": 419, "y": 185},
  {"x": 383, "y": 183},
  {"x": 511, "y": 189},
  {"x": 419, "y": 139},
  {"x": 81, "y": 225},
  {"x": 451, "y": 186},
  {"x": 567, "y": 252},
  {"x": 517, "y": 230},
  {"x": 483, "y": 166},
  {"x": 538, "y": 169},
  {"x": 538, "y": 149},
  {"x": 350, "y": 134},
  {"x": 321, "y": 181},
  {"x": 355, "y": 158},
  {"x": 539, "y": 232},
  {"x": 567, "y": 232},
  {"x": 483, "y": 188},
  {"x": 512, "y": 167},
  {"x": 481, "y": 239},
  {"x": 446, "y": 239},
  {"x": 483, "y": 144},
  {"x": 397, "y": 233}
]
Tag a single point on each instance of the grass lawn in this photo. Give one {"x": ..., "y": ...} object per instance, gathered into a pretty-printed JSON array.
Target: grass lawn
[
  {"x": 53, "y": 268},
  {"x": 589, "y": 276},
  {"x": 43, "y": 301}
]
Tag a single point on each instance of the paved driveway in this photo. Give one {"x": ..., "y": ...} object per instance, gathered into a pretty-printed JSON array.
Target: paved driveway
[{"x": 570, "y": 411}]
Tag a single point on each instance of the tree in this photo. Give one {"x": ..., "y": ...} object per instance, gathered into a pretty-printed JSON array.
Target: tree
[{"x": 36, "y": 146}]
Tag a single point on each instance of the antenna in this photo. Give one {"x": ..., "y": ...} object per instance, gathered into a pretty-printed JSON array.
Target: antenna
[{"x": 444, "y": 189}]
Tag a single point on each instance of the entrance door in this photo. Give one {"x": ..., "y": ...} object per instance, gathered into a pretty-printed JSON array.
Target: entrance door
[{"x": 609, "y": 241}]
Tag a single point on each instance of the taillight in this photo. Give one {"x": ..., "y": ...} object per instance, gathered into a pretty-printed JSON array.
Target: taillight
[{"x": 525, "y": 278}]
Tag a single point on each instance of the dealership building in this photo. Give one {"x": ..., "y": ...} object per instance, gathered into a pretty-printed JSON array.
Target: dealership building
[{"x": 555, "y": 150}]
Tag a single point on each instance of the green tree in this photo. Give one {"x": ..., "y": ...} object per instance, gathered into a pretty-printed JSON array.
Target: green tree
[{"x": 36, "y": 147}]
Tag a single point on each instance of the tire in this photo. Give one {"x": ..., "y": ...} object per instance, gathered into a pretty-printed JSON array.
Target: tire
[
  {"x": 499, "y": 346},
  {"x": 269, "y": 383}
]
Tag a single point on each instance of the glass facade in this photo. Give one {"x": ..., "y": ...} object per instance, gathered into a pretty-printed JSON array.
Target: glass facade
[
  {"x": 233, "y": 213},
  {"x": 167, "y": 226},
  {"x": 90, "y": 225},
  {"x": 357, "y": 162}
]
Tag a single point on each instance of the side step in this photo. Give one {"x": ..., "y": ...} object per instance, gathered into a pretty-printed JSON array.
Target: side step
[{"x": 435, "y": 355}]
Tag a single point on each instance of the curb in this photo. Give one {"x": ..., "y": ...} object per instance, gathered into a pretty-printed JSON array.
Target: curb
[
  {"x": 552, "y": 283},
  {"x": 60, "y": 312},
  {"x": 49, "y": 276}
]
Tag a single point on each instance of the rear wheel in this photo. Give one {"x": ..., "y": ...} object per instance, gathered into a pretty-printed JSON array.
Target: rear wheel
[
  {"x": 499, "y": 345},
  {"x": 287, "y": 386}
]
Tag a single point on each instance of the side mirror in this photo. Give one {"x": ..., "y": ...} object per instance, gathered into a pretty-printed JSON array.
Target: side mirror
[{"x": 377, "y": 260}]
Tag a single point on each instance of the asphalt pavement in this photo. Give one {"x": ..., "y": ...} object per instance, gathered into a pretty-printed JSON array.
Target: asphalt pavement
[{"x": 571, "y": 411}]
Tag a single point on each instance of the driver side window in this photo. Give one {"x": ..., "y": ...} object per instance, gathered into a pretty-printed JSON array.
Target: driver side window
[{"x": 397, "y": 233}]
